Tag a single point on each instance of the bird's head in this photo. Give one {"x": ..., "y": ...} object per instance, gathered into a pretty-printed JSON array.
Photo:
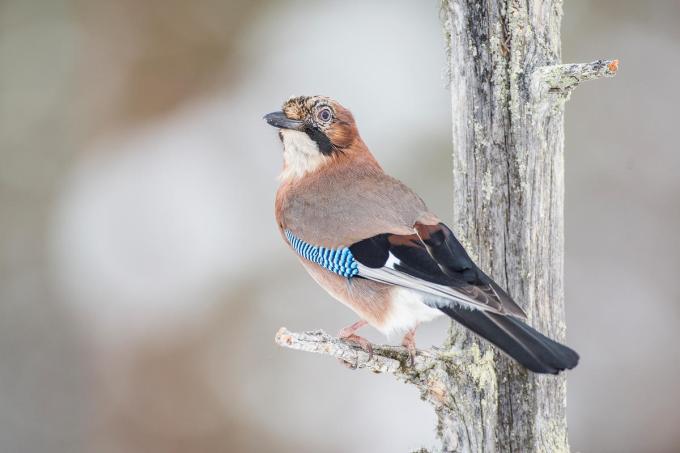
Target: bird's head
[
  {"x": 314, "y": 130},
  {"x": 326, "y": 124}
]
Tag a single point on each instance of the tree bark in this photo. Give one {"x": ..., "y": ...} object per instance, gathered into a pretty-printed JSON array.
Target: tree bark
[{"x": 508, "y": 92}]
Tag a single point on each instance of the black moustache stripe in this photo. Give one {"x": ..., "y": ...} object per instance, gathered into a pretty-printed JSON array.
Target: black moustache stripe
[{"x": 323, "y": 142}]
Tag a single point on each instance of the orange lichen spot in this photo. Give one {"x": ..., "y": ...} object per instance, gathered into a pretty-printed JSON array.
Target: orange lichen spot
[
  {"x": 282, "y": 337},
  {"x": 437, "y": 390},
  {"x": 613, "y": 66}
]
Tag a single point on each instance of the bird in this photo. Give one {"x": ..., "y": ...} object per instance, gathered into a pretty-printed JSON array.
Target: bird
[{"x": 372, "y": 243}]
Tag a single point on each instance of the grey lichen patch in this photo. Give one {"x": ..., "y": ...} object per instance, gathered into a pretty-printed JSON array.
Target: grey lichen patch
[
  {"x": 481, "y": 367},
  {"x": 561, "y": 79},
  {"x": 487, "y": 186},
  {"x": 481, "y": 136},
  {"x": 445, "y": 19},
  {"x": 519, "y": 34},
  {"x": 552, "y": 437}
]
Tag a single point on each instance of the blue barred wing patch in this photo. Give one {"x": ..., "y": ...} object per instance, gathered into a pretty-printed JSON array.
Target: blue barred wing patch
[{"x": 338, "y": 260}]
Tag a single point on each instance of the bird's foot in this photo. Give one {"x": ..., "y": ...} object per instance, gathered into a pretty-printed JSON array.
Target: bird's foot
[
  {"x": 348, "y": 334},
  {"x": 348, "y": 331},
  {"x": 361, "y": 342},
  {"x": 409, "y": 342}
]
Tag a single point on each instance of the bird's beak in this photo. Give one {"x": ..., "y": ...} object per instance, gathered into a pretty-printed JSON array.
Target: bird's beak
[{"x": 280, "y": 120}]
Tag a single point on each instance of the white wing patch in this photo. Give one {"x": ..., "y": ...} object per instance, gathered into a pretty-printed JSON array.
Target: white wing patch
[{"x": 391, "y": 261}]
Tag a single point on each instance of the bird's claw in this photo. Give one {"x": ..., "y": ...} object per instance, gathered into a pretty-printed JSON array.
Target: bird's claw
[
  {"x": 363, "y": 343},
  {"x": 411, "y": 350},
  {"x": 409, "y": 342}
]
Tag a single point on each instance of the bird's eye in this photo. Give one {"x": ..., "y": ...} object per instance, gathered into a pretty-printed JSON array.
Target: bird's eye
[{"x": 324, "y": 115}]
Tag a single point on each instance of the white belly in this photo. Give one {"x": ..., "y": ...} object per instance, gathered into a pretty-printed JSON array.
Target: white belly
[{"x": 407, "y": 310}]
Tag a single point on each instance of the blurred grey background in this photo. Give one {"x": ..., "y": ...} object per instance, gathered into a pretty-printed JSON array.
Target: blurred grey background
[{"x": 142, "y": 278}]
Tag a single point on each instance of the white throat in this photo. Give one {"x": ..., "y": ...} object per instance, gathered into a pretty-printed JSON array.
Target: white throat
[{"x": 300, "y": 153}]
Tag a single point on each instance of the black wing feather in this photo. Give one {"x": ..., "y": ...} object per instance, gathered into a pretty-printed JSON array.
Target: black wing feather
[
  {"x": 435, "y": 255},
  {"x": 449, "y": 253},
  {"x": 529, "y": 347},
  {"x": 454, "y": 261},
  {"x": 372, "y": 252}
]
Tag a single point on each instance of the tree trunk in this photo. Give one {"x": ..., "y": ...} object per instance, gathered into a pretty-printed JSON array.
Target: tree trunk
[{"x": 508, "y": 92}]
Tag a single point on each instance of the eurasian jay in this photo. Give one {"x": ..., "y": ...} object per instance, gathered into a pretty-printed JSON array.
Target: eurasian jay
[{"x": 371, "y": 242}]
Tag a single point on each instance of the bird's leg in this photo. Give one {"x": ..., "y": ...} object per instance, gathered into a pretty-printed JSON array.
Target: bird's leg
[
  {"x": 348, "y": 334},
  {"x": 409, "y": 342}
]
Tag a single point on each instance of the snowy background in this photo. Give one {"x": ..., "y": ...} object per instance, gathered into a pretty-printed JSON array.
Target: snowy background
[{"x": 142, "y": 277}]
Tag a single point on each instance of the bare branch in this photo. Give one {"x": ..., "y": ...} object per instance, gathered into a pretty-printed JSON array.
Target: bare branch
[
  {"x": 441, "y": 376},
  {"x": 385, "y": 359},
  {"x": 565, "y": 77}
]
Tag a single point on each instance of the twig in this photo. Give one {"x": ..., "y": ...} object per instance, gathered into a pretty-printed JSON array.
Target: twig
[
  {"x": 385, "y": 359},
  {"x": 565, "y": 77},
  {"x": 440, "y": 375}
]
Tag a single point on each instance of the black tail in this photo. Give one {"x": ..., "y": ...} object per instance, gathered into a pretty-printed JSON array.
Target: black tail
[{"x": 529, "y": 347}]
